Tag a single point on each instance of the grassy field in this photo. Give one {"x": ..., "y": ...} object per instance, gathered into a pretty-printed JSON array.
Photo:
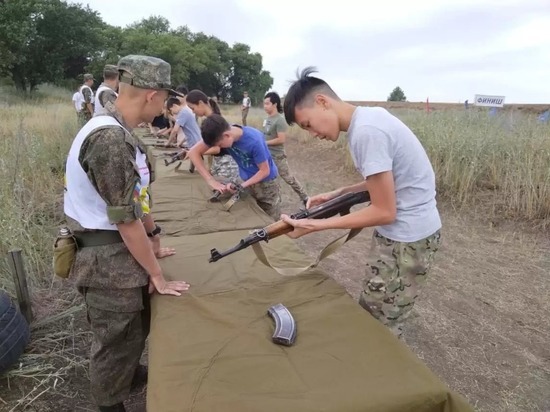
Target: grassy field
[{"x": 491, "y": 171}]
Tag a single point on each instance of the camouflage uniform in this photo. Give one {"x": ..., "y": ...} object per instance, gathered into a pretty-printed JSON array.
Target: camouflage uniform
[
  {"x": 107, "y": 96},
  {"x": 225, "y": 166},
  {"x": 273, "y": 126},
  {"x": 114, "y": 285},
  {"x": 284, "y": 173},
  {"x": 112, "y": 282},
  {"x": 268, "y": 197},
  {"x": 394, "y": 275},
  {"x": 84, "y": 114}
]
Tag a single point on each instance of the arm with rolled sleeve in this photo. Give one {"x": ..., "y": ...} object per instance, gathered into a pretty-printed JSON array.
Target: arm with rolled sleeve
[{"x": 87, "y": 94}]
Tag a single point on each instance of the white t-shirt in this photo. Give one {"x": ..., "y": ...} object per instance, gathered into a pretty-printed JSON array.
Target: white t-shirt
[
  {"x": 380, "y": 142},
  {"x": 246, "y": 102},
  {"x": 77, "y": 101}
]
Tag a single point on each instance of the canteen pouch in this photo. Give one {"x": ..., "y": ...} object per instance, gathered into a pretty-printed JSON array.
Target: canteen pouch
[{"x": 64, "y": 253}]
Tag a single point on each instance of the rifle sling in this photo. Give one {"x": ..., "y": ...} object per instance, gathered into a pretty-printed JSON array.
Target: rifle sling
[{"x": 327, "y": 251}]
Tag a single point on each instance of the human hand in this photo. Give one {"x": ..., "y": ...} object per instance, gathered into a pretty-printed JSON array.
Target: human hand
[
  {"x": 163, "y": 287},
  {"x": 301, "y": 226},
  {"x": 321, "y": 198}
]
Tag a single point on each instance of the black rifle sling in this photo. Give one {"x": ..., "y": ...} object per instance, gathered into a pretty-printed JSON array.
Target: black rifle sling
[{"x": 327, "y": 251}]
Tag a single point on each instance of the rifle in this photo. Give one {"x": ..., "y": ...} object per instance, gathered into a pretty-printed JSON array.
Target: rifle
[
  {"x": 235, "y": 198},
  {"x": 339, "y": 205},
  {"x": 181, "y": 155}
]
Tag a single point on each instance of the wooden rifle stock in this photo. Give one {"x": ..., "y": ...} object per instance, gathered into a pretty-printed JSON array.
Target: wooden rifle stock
[{"x": 339, "y": 205}]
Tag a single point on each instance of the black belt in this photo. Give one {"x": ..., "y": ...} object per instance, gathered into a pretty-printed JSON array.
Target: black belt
[{"x": 97, "y": 238}]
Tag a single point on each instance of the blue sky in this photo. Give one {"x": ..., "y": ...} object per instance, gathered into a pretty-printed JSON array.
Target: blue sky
[{"x": 446, "y": 50}]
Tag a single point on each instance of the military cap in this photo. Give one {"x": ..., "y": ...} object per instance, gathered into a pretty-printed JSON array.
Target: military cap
[
  {"x": 146, "y": 72},
  {"x": 110, "y": 69},
  {"x": 88, "y": 76}
]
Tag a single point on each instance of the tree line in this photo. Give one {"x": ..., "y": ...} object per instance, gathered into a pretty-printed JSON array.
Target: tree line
[{"x": 55, "y": 42}]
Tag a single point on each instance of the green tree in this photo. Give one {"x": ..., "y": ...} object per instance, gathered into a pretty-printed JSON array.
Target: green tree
[
  {"x": 56, "y": 39},
  {"x": 397, "y": 95},
  {"x": 16, "y": 26},
  {"x": 51, "y": 41},
  {"x": 246, "y": 74}
]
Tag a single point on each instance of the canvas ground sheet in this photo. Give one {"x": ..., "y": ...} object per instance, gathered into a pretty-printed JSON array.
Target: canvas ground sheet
[{"x": 211, "y": 350}]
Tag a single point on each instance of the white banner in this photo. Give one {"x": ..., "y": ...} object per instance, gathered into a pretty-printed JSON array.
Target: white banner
[{"x": 489, "y": 101}]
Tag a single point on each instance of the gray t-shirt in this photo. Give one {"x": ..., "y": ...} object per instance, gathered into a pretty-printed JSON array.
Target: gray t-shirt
[
  {"x": 186, "y": 119},
  {"x": 273, "y": 125},
  {"x": 380, "y": 142}
]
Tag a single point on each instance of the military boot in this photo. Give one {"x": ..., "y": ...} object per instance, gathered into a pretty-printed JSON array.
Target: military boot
[{"x": 119, "y": 407}]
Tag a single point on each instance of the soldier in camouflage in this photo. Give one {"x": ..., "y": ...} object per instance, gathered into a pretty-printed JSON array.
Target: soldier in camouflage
[
  {"x": 107, "y": 91},
  {"x": 275, "y": 128},
  {"x": 87, "y": 100},
  {"x": 247, "y": 147},
  {"x": 400, "y": 179},
  {"x": 116, "y": 266}
]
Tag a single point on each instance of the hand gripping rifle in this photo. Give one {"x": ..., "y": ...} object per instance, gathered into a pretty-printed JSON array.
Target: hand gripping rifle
[
  {"x": 339, "y": 205},
  {"x": 174, "y": 157}
]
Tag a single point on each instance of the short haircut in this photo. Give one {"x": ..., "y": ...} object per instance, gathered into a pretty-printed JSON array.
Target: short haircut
[
  {"x": 171, "y": 102},
  {"x": 213, "y": 128},
  {"x": 275, "y": 99},
  {"x": 182, "y": 88},
  {"x": 110, "y": 76},
  {"x": 302, "y": 90}
]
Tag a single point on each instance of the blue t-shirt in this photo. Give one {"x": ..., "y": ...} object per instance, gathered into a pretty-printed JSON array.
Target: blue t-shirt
[
  {"x": 249, "y": 151},
  {"x": 186, "y": 119}
]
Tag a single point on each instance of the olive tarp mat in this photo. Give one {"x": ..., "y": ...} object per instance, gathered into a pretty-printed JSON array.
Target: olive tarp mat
[{"x": 211, "y": 349}]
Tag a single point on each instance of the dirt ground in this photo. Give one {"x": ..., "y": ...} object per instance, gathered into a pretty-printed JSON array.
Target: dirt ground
[{"x": 482, "y": 323}]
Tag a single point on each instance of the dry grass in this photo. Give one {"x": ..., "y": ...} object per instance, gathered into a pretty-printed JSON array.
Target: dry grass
[
  {"x": 36, "y": 136},
  {"x": 501, "y": 162}
]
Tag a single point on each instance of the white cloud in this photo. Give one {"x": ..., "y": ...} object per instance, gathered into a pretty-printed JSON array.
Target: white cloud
[{"x": 448, "y": 50}]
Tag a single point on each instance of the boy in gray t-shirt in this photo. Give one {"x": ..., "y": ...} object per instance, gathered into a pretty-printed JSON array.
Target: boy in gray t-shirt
[{"x": 401, "y": 182}]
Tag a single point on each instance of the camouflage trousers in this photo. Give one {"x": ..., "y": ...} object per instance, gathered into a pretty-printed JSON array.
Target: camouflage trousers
[
  {"x": 286, "y": 175},
  {"x": 83, "y": 117},
  {"x": 226, "y": 167},
  {"x": 119, "y": 320},
  {"x": 394, "y": 275},
  {"x": 244, "y": 115},
  {"x": 268, "y": 197}
]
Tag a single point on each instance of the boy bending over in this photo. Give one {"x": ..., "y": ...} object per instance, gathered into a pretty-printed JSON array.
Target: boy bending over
[
  {"x": 400, "y": 179},
  {"x": 248, "y": 148}
]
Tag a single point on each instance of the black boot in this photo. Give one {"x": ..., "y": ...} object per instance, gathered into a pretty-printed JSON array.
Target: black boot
[
  {"x": 140, "y": 377},
  {"x": 119, "y": 407}
]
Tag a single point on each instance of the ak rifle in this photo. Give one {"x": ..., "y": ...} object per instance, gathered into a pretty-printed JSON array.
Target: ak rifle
[{"x": 339, "y": 205}]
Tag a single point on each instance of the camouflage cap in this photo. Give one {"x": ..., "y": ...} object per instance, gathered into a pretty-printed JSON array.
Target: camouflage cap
[
  {"x": 110, "y": 69},
  {"x": 88, "y": 76},
  {"x": 146, "y": 72}
]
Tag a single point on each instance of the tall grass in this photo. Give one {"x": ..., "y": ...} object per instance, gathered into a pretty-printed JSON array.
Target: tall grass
[
  {"x": 502, "y": 160},
  {"x": 35, "y": 137}
]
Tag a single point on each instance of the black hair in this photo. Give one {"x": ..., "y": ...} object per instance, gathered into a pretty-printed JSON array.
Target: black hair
[
  {"x": 182, "y": 88},
  {"x": 213, "y": 128},
  {"x": 171, "y": 102},
  {"x": 196, "y": 96},
  {"x": 275, "y": 99},
  {"x": 302, "y": 89}
]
